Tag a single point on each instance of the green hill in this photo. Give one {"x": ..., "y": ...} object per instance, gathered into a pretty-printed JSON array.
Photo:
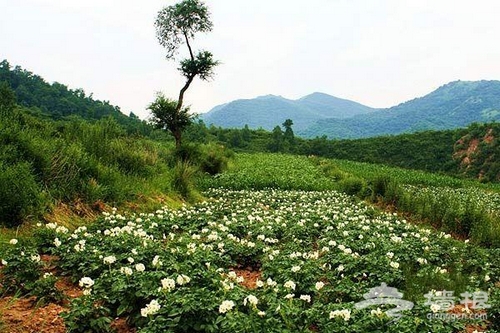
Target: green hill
[
  {"x": 456, "y": 104},
  {"x": 57, "y": 101},
  {"x": 268, "y": 111}
]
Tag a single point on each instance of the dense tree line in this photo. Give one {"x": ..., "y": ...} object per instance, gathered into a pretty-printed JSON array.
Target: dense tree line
[
  {"x": 57, "y": 101},
  {"x": 433, "y": 151}
]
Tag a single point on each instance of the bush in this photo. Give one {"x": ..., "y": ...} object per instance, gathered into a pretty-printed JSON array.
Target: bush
[
  {"x": 182, "y": 181},
  {"x": 352, "y": 186},
  {"x": 20, "y": 194},
  {"x": 215, "y": 159},
  {"x": 379, "y": 187}
]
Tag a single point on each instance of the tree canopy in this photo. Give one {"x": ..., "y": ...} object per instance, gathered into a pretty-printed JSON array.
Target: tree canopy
[{"x": 177, "y": 25}]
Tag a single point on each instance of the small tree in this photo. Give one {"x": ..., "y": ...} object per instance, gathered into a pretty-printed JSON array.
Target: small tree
[
  {"x": 166, "y": 116},
  {"x": 176, "y": 25},
  {"x": 289, "y": 136}
]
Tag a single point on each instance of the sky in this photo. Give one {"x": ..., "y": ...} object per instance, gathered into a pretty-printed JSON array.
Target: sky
[{"x": 376, "y": 52}]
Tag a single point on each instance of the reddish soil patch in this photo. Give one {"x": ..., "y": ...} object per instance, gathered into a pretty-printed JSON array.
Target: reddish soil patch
[
  {"x": 67, "y": 288},
  {"x": 120, "y": 326},
  {"x": 22, "y": 316},
  {"x": 488, "y": 138},
  {"x": 251, "y": 276}
]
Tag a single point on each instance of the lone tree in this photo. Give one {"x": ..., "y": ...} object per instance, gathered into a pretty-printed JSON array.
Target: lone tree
[{"x": 177, "y": 25}]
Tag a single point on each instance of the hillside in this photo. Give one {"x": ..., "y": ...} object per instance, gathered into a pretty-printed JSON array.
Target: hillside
[
  {"x": 268, "y": 111},
  {"x": 456, "y": 104},
  {"x": 477, "y": 152},
  {"x": 57, "y": 101}
]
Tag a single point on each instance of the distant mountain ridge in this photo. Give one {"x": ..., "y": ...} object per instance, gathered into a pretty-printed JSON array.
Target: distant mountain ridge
[
  {"x": 268, "y": 111},
  {"x": 453, "y": 105}
]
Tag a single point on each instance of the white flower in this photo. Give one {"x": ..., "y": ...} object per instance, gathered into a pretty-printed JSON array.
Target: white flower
[
  {"x": 289, "y": 285},
  {"x": 422, "y": 261},
  {"x": 306, "y": 298},
  {"x": 289, "y": 296},
  {"x": 87, "y": 292},
  {"x": 126, "y": 270},
  {"x": 86, "y": 282},
  {"x": 157, "y": 262},
  {"x": 271, "y": 283},
  {"x": 251, "y": 299},
  {"x": 259, "y": 284},
  {"x": 4, "y": 262},
  {"x": 394, "y": 264},
  {"x": 57, "y": 242},
  {"x": 319, "y": 285},
  {"x": 140, "y": 267},
  {"x": 109, "y": 260},
  {"x": 390, "y": 255},
  {"x": 340, "y": 268},
  {"x": 377, "y": 312},
  {"x": 168, "y": 284},
  {"x": 226, "y": 306},
  {"x": 261, "y": 313},
  {"x": 47, "y": 275},
  {"x": 183, "y": 279},
  {"x": 295, "y": 269},
  {"x": 435, "y": 307},
  {"x": 13, "y": 241},
  {"x": 486, "y": 278},
  {"x": 130, "y": 260},
  {"x": 152, "y": 308},
  {"x": 345, "y": 314},
  {"x": 35, "y": 258}
]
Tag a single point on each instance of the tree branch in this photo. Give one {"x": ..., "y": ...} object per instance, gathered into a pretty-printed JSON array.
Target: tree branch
[
  {"x": 189, "y": 46},
  {"x": 183, "y": 90}
]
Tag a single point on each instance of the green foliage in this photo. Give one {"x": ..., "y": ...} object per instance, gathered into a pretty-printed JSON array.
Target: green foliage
[
  {"x": 20, "y": 194},
  {"x": 166, "y": 115},
  {"x": 453, "y": 105},
  {"x": 318, "y": 253},
  {"x": 44, "y": 162},
  {"x": 45, "y": 290},
  {"x": 260, "y": 171},
  {"x": 177, "y": 23},
  {"x": 87, "y": 315},
  {"x": 215, "y": 159},
  {"x": 7, "y": 99},
  {"x": 352, "y": 186},
  {"x": 57, "y": 101},
  {"x": 21, "y": 269},
  {"x": 183, "y": 178}
]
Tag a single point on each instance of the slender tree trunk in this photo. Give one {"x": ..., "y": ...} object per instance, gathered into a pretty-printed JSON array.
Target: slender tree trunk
[{"x": 177, "y": 132}]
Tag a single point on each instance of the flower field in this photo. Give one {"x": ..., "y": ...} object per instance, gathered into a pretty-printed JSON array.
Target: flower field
[{"x": 260, "y": 261}]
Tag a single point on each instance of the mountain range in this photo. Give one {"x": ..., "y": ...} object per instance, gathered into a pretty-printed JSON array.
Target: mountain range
[{"x": 453, "y": 105}]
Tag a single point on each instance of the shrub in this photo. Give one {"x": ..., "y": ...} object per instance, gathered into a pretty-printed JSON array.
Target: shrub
[
  {"x": 182, "y": 180},
  {"x": 215, "y": 159},
  {"x": 20, "y": 194},
  {"x": 352, "y": 185}
]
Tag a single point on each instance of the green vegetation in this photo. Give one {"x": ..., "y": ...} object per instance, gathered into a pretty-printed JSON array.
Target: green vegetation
[
  {"x": 454, "y": 105},
  {"x": 87, "y": 165},
  {"x": 268, "y": 111},
  {"x": 462, "y": 207},
  {"x": 57, "y": 101},
  {"x": 443, "y": 152},
  {"x": 315, "y": 253},
  {"x": 175, "y": 25}
]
